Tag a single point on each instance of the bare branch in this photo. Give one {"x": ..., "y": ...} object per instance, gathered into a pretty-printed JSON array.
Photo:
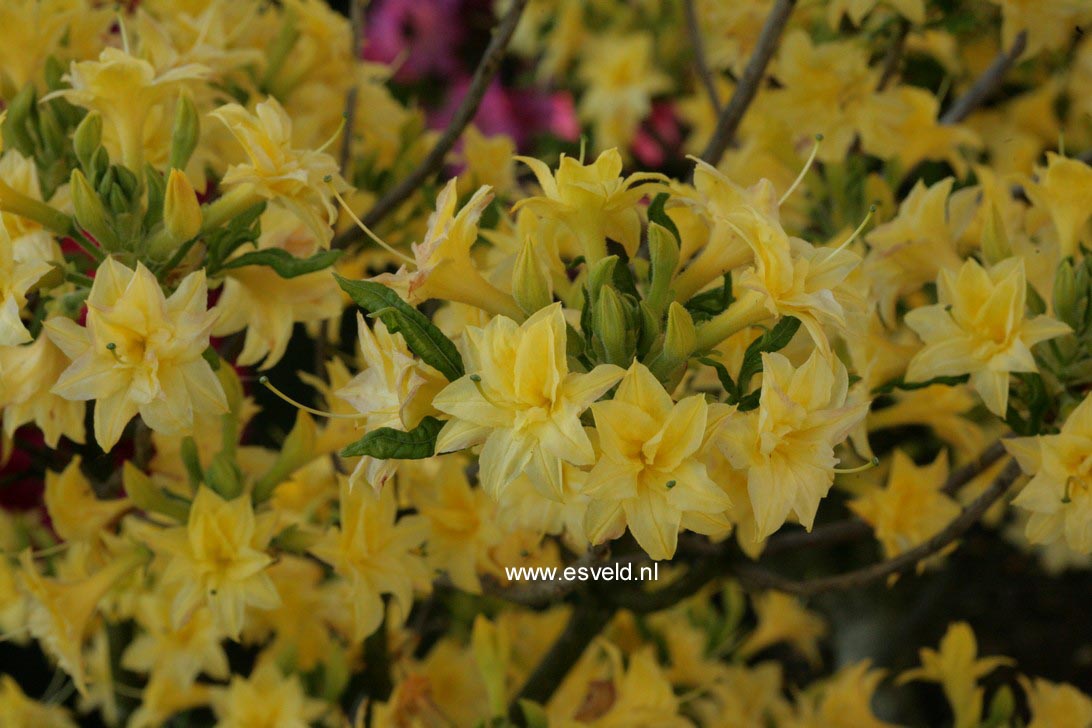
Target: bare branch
[
  {"x": 356, "y": 23},
  {"x": 483, "y": 76},
  {"x": 758, "y": 577},
  {"x": 893, "y": 57},
  {"x": 730, "y": 118},
  {"x": 542, "y": 593},
  {"x": 987, "y": 83},
  {"x": 693, "y": 30}
]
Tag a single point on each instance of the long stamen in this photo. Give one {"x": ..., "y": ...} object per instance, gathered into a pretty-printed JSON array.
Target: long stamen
[
  {"x": 860, "y": 468},
  {"x": 264, "y": 381},
  {"x": 368, "y": 231},
  {"x": 113, "y": 349},
  {"x": 858, "y": 231},
  {"x": 476, "y": 378},
  {"x": 803, "y": 172},
  {"x": 334, "y": 136},
  {"x": 47, "y": 551}
]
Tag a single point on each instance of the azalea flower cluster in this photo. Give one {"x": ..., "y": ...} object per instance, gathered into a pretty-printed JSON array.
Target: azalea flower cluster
[{"x": 695, "y": 337}]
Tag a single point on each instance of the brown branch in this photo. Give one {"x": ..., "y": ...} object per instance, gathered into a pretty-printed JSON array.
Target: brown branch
[
  {"x": 894, "y": 53},
  {"x": 701, "y": 63},
  {"x": 483, "y": 76},
  {"x": 356, "y": 23},
  {"x": 747, "y": 88},
  {"x": 987, "y": 83},
  {"x": 758, "y": 577},
  {"x": 543, "y": 593},
  {"x": 851, "y": 529}
]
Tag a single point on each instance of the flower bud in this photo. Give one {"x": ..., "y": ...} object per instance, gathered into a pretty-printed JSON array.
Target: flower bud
[
  {"x": 298, "y": 450},
  {"x": 680, "y": 341},
  {"x": 531, "y": 285},
  {"x": 601, "y": 274},
  {"x": 148, "y": 497},
  {"x": 181, "y": 211},
  {"x": 611, "y": 325},
  {"x": 87, "y": 139},
  {"x": 663, "y": 253},
  {"x": 995, "y": 239},
  {"x": 492, "y": 650},
  {"x": 91, "y": 213},
  {"x": 185, "y": 133},
  {"x": 223, "y": 476},
  {"x": 1065, "y": 293}
]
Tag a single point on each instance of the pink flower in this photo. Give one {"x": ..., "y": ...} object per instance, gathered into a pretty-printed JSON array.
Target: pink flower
[{"x": 424, "y": 32}]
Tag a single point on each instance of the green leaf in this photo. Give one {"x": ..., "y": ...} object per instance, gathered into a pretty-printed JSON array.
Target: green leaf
[
  {"x": 775, "y": 339},
  {"x": 387, "y": 443},
  {"x": 705, "y": 306},
  {"x": 284, "y": 263},
  {"x": 725, "y": 378},
  {"x": 658, "y": 215},
  {"x": 422, "y": 337}
]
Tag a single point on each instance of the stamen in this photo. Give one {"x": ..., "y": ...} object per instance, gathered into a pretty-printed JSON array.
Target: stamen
[
  {"x": 124, "y": 33},
  {"x": 583, "y": 147},
  {"x": 803, "y": 172},
  {"x": 476, "y": 378},
  {"x": 860, "y": 228},
  {"x": 669, "y": 484},
  {"x": 264, "y": 381},
  {"x": 113, "y": 349},
  {"x": 369, "y": 233},
  {"x": 333, "y": 138},
  {"x": 859, "y": 469},
  {"x": 1065, "y": 496}
]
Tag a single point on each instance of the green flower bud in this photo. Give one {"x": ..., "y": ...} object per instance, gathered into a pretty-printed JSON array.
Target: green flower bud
[
  {"x": 531, "y": 284},
  {"x": 680, "y": 341},
  {"x": 181, "y": 215},
  {"x": 601, "y": 274},
  {"x": 663, "y": 253},
  {"x": 1065, "y": 294},
  {"x": 88, "y": 139},
  {"x": 1002, "y": 707},
  {"x": 128, "y": 182},
  {"x": 610, "y": 323},
  {"x": 995, "y": 239},
  {"x": 297, "y": 450},
  {"x": 185, "y": 133},
  {"x": 91, "y": 214},
  {"x": 49, "y": 129},
  {"x": 223, "y": 476},
  {"x": 145, "y": 495}
]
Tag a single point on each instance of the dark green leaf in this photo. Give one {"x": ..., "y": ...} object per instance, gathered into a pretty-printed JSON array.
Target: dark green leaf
[
  {"x": 775, "y": 339},
  {"x": 658, "y": 215},
  {"x": 705, "y": 306},
  {"x": 423, "y": 339},
  {"x": 725, "y": 378},
  {"x": 387, "y": 443},
  {"x": 284, "y": 263}
]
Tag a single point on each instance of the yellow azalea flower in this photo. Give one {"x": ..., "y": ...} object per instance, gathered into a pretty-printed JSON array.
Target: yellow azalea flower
[
  {"x": 13, "y": 604},
  {"x": 218, "y": 559},
  {"x": 20, "y": 174},
  {"x": 911, "y": 508},
  {"x": 60, "y": 612},
  {"x": 301, "y": 180},
  {"x": 743, "y": 697},
  {"x": 787, "y": 444},
  {"x": 16, "y": 277},
  {"x": 1049, "y": 26},
  {"x": 59, "y": 28},
  {"x": 525, "y": 507},
  {"x": 782, "y": 618},
  {"x": 395, "y": 389},
  {"x": 139, "y": 353},
  {"x": 162, "y": 698},
  {"x": 1056, "y": 705},
  {"x": 1059, "y": 494},
  {"x": 957, "y": 668},
  {"x": 1064, "y": 190},
  {"x": 489, "y": 160},
  {"x": 76, "y": 513},
  {"x": 16, "y": 709},
  {"x": 620, "y": 80},
  {"x": 27, "y": 373},
  {"x": 901, "y": 124},
  {"x": 180, "y": 652},
  {"x": 648, "y": 473},
  {"x": 856, "y": 10},
  {"x": 266, "y": 698},
  {"x": 124, "y": 89},
  {"x": 593, "y": 200},
  {"x": 940, "y": 407},
  {"x": 442, "y": 265},
  {"x": 842, "y": 701},
  {"x": 520, "y": 399},
  {"x": 977, "y": 327},
  {"x": 375, "y": 554}
]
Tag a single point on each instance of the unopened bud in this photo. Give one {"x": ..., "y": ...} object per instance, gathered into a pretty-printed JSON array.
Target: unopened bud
[
  {"x": 223, "y": 476},
  {"x": 87, "y": 139},
  {"x": 298, "y": 450},
  {"x": 680, "y": 341},
  {"x": 181, "y": 212},
  {"x": 1065, "y": 294},
  {"x": 91, "y": 213},
  {"x": 530, "y": 280},
  {"x": 148, "y": 497},
  {"x": 601, "y": 274},
  {"x": 995, "y": 239},
  {"x": 491, "y": 649},
  {"x": 185, "y": 133},
  {"x": 663, "y": 251},
  {"x": 611, "y": 327}
]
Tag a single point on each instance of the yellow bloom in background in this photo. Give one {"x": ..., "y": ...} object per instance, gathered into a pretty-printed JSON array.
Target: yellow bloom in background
[
  {"x": 162, "y": 698},
  {"x": 901, "y": 124},
  {"x": 842, "y": 701},
  {"x": 489, "y": 161},
  {"x": 521, "y": 403},
  {"x": 593, "y": 200},
  {"x": 782, "y": 618},
  {"x": 140, "y": 353},
  {"x": 911, "y": 508},
  {"x": 76, "y": 513},
  {"x": 301, "y": 180},
  {"x": 180, "y": 652},
  {"x": 648, "y": 473},
  {"x": 1049, "y": 25},
  {"x": 1064, "y": 190},
  {"x": 1056, "y": 705},
  {"x": 1059, "y": 494},
  {"x": 786, "y": 446},
  {"x": 17, "y": 276},
  {"x": 27, "y": 374},
  {"x": 218, "y": 559},
  {"x": 620, "y": 78},
  {"x": 16, "y": 709},
  {"x": 266, "y": 698},
  {"x": 124, "y": 90},
  {"x": 375, "y": 554},
  {"x": 977, "y": 327},
  {"x": 956, "y": 667}
]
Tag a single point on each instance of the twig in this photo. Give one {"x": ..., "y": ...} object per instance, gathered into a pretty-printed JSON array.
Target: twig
[
  {"x": 542, "y": 593},
  {"x": 693, "y": 29},
  {"x": 639, "y": 601},
  {"x": 483, "y": 76},
  {"x": 356, "y": 23},
  {"x": 758, "y": 577},
  {"x": 747, "y": 87},
  {"x": 894, "y": 53},
  {"x": 987, "y": 83},
  {"x": 851, "y": 529}
]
